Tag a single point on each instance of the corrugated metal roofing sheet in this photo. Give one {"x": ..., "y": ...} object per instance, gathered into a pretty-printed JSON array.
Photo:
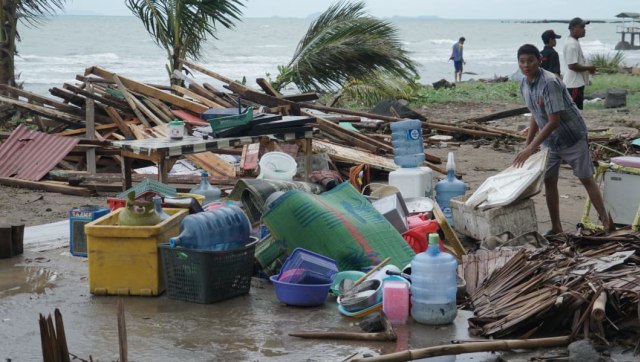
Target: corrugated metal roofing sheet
[{"x": 29, "y": 155}]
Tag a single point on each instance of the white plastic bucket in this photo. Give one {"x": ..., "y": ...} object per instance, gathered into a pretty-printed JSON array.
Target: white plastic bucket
[{"x": 277, "y": 166}]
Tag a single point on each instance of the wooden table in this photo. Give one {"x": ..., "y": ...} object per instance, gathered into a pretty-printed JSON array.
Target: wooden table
[{"x": 164, "y": 152}]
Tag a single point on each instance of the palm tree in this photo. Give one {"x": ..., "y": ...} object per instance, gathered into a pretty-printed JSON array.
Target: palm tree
[
  {"x": 29, "y": 12},
  {"x": 181, "y": 26},
  {"x": 342, "y": 45}
]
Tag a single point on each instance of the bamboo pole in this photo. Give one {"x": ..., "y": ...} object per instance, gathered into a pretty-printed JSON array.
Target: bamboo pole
[
  {"x": 598, "y": 312},
  {"x": 455, "y": 349}
]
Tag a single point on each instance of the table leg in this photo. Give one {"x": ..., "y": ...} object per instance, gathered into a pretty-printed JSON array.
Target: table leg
[
  {"x": 308, "y": 153},
  {"x": 126, "y": 172}
]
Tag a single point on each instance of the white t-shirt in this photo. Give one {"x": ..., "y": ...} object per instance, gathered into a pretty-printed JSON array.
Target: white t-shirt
[{"x": 572, "y": 53}]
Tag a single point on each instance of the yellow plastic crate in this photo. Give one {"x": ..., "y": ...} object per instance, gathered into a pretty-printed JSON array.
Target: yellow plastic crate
[{"x": 124, "y": 260}]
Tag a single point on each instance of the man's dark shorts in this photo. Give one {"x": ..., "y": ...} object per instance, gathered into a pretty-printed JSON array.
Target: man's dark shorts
[
  {"x": 458, "y": 65},
  {"x": 577, "y": 94}
]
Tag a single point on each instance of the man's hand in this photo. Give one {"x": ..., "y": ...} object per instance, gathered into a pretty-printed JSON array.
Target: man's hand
[
  {"x": 522, "y": 156},
  {"x": 591, "y": 68}
]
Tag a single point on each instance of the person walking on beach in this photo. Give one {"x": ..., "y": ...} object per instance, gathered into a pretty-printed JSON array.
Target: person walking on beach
[
  {"x": 558, "y": 125},
  {"x": 577, "y": 76},
  {"x": 550, "y": 59},
  {"x": 458, "y": 59}
]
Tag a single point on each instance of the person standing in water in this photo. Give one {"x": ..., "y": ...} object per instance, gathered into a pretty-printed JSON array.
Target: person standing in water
[
  {"x": 458, "y": 59},
  {"x": 556, "y": 124}
]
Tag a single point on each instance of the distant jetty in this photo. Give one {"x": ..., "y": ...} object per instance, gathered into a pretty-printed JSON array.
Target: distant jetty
[{"x": 547, "y": 21}]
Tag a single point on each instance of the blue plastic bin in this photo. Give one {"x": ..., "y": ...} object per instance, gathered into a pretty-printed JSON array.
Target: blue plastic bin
[{"x": 303, "y": 295}]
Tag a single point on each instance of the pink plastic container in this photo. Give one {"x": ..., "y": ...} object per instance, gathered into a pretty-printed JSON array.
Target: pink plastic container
[{"x": 395, "y": 301}]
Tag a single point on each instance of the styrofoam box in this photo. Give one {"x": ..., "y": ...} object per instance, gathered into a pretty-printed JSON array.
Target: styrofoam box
[{"x": 517, "y": 218}]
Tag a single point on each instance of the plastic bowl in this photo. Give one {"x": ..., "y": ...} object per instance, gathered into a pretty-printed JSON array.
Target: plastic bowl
[
  {"x": 303, "y": 295},
  {"x": 347, "y": 274}
]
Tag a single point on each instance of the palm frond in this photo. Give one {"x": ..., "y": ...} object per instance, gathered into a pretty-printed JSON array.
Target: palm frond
[
  {"x": 344, "y": 44},
  {"x": 185, "y": 24},
  {"x": 31, "y": 12},
  {"x": 375, "y": 88}
]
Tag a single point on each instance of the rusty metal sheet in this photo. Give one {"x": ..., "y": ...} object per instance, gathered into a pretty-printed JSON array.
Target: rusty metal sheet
[{"x": 29, "y": 155}]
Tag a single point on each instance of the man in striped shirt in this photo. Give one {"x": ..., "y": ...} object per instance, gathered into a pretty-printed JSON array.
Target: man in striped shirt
[{"x": 557, "y": 124}]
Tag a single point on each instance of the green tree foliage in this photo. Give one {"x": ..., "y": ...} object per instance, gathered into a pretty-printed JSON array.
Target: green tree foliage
[
  {"x": 345, "y": 45},
  {"x": 182, "y": 26}
]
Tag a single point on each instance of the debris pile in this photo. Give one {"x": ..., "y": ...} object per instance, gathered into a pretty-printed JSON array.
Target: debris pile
[{"x": 586, "y": 285}]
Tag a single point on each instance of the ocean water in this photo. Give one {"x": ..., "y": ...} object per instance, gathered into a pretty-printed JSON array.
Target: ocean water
[{"x": 64, "y": 46}]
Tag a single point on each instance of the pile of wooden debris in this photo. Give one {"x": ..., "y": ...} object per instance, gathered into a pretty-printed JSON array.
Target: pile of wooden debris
[{"x": 584, "y": 285}]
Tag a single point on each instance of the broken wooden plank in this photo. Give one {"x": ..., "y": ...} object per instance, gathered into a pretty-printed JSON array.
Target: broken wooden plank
[
  {"x": 149, "y": 91},
  {"x": 119, "y": 122},
  {"x": 194, "y": 95},
  {"x": 497, "y": 115},
  {"x": 131, "y": 100},
  {"x": 63, "y": 117},
  {"x": 107, "y": 102},
  {"x": 267, "y": 88},
  {"x": 200, "y": 90}
]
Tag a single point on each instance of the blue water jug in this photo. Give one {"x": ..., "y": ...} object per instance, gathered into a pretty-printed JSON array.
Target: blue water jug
[
  {"x": 408, "y": 147},
  {"x": 434, "y": 285},
  {"x": 448, "y": 188},
  {"x": 225, "y": 228},
  {"x": 157, "y": 203},
  {"x": 210, "y": 192}
]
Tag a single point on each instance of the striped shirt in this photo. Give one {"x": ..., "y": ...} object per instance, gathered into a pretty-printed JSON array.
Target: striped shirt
[{"x": 546, "y": 95}]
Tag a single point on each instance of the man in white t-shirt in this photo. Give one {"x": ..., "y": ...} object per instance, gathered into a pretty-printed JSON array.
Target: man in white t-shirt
[{"x": 577, "y": 77}]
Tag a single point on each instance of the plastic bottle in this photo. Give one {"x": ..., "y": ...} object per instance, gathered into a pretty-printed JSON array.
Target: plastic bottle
[
  {"x": 222, "y": 229},
  {"x": 408, "y": 147},
  {"x": 157, "y": 203},
  {"x": 433, "y": 285},
  {"x": 210, "y": 192},
  {"x": 448, "y": 188}
]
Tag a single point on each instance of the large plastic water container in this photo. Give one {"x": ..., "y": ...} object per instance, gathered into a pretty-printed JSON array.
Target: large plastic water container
[
  {"x": 210, "y": 192},
  {"x": 408, "y": 147},
  {"x": 224, "y": 228},
  {"x": 412, "y": 182},
  {"x": 433, "y": 285},
  {"x": 448, "y": 188}
]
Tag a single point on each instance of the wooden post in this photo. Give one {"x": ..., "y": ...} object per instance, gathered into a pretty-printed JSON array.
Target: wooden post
[{"x": 90, "y": 132}]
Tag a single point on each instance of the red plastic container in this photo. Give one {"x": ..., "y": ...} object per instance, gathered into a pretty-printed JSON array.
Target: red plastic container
[{"x": 416, "y": 237}]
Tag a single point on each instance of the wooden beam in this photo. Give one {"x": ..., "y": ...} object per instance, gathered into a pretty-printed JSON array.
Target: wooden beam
[
  {"x": 65, "y": 118},
  {"x": 302, "y": 97},
  {"x": 200, "y": 90},
  {"x": 119, "y": 122},
  {"x": 47, "y": 186},
  {"x": 196, "y": 96},
  {"x": 268, "y": 88},
  {"x": 206, "y": 71},
  {"x": 107, "y": 102},
  {"x": 149, "y": 91},
  {"x": 130, "y": 99}
]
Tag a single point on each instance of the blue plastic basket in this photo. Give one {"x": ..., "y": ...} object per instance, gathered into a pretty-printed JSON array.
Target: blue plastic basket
[{"x": 303, "y": 265}]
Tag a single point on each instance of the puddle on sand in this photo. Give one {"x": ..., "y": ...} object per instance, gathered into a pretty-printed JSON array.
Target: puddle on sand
[{"x": 16, "y": 279}]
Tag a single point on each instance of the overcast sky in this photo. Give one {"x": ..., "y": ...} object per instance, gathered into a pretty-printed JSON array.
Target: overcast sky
[{"x": 449, "y": 9}]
